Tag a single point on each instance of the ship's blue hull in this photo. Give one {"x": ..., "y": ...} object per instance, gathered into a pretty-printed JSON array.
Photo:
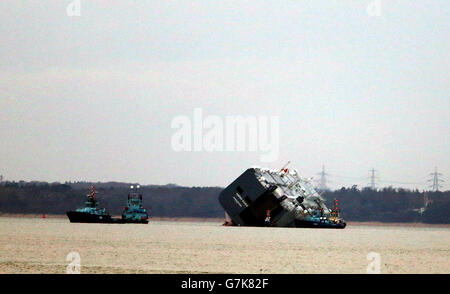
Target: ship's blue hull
[
  {"x": 84, "y": 217},
  {"x": 319, "y": 225}
]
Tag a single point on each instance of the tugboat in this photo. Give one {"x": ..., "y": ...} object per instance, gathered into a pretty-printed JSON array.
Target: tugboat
[
  {"x": 135, "y": 212},
  {"x": 91, "y": 213},
  {"x": 332, "y": 221}
]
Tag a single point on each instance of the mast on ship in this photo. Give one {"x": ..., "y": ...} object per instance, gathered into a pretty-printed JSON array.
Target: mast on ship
[
  {"x": 335, "y": 211},
  {"x": 91, "y": 201}
]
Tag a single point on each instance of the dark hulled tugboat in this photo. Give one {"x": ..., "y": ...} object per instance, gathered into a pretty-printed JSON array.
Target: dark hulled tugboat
[
  {"x": 135, "y": 212},
  {"x": 91, "y": 213}
]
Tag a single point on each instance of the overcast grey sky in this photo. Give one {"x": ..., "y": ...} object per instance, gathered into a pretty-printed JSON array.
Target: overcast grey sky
[{"x": 92, "y": 97}]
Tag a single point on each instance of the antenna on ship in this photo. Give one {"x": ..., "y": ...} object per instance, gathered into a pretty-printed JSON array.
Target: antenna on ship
[
  {"x": 133, "y": 187},
  {"x": 284, "y": 167},
  {"x": 92, "y": 192},
  {"x": 335, "y": 211}
]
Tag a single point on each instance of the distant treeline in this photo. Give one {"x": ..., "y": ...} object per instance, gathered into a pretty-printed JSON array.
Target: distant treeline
[
  {"x": 391, "y": 205},
  {"x": 386, "y": 205}
]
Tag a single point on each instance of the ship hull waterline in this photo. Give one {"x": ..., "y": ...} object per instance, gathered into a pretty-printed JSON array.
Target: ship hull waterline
[
  {"x": 319, "y": 225},
  {"x": 298, "y": 224},
  {"x": 83, "y": 217}
]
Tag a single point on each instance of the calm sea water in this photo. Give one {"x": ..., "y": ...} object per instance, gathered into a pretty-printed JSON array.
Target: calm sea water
[{"x": 34, "y": 245}]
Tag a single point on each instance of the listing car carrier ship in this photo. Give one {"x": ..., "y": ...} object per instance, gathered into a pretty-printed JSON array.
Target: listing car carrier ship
[
  {"x": 276, "y": 198},
  {"x": 134, "y": 212}
]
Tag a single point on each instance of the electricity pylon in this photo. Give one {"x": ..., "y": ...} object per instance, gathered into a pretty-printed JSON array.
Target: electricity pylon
[
  {"x": 323, "y": 179},
  {"x": 436, "y": 180},
  {"x": 373, "y": 177}
]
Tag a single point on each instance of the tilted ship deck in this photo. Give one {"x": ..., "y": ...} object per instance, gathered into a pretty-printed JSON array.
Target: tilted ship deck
[{"x": 276, "y": 198}]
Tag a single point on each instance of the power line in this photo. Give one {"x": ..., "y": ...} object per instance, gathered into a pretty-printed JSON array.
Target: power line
[
  {"x": 381, "y": 181},
  {"x": 436, "y": 180},
  {"x": 403, "y": 183},
  {"x": 372, "y": 178},
  {"x": 348, "y": 177},
  {"x": 323, "y": 179}
]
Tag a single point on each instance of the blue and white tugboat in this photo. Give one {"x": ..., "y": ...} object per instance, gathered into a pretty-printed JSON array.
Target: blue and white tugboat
[
  {"x": 134, "y": 212},
  {"x": 91, "y": 213}
]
